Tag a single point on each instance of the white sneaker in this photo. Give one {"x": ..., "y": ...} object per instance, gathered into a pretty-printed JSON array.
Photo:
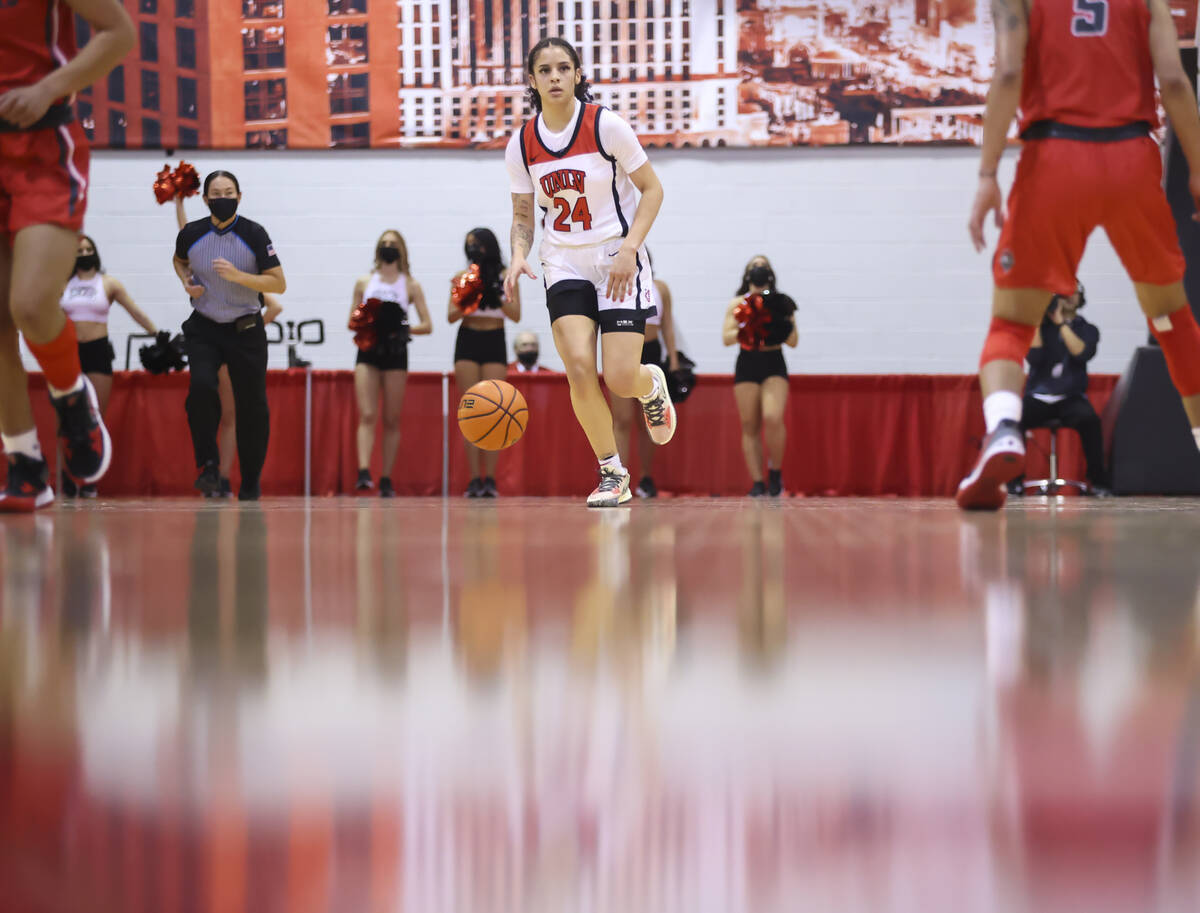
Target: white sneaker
[
  {"x": 1001, "y": 460},
  {"x": 658, "y": 410},
  {"x": 612, "y": 490}
]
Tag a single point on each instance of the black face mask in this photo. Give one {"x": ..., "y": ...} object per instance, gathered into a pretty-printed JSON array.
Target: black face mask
[
  {"x": 528, "y": 358},
  {"x": 386, "y": 254},
  {"x": 761, "y": 276},
  {"x": 476, "y": 253},
  {"x": 223, "y": 208},
  {"x": 86, "y": 262}
]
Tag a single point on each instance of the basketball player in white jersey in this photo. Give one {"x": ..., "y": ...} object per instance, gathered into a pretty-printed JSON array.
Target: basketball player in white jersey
[
  {"x": 86, "y": 300},
  {"x": 659, "y": 341},
  {"x": 383, "y": 368},
  {"x": 585, "y": 167}
]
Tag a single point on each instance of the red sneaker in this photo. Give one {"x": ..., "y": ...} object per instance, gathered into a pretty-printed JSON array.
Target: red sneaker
[{"x": 86, "y": 446}]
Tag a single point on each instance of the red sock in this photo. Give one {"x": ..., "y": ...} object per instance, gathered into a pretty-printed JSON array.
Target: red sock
[{"x": 59, "y": 358}]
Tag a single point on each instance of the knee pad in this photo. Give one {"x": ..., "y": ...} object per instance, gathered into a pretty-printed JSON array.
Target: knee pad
[
  {"x": 1007, "y": 341},
  {"x": 1179, "y": 337}
]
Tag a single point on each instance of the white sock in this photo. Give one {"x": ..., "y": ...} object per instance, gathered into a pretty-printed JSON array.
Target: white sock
[
  {"x": 74, "y": 388},
  {"x": 1000, "y": 406},
  {"x": 26, "y": 443},
  {"x": 613, "y": 462},
  {"x": 653, "y": 390},
  {"x": 1196, "y": 435}
]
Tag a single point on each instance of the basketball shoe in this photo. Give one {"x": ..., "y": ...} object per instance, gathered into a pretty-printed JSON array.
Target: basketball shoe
[
  {"x": 612, "y": 490},
  {"x": 1001, "y": 460},
  {"x": 85, "y": 442},
  {"x": 658, "y": 409},
  {"x": 27, "y": 488}
]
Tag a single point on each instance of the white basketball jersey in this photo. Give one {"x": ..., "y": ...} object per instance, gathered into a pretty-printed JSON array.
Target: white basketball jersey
[
  {"x": 85, "y": 299},
  {"x": 583, "y": 189}
]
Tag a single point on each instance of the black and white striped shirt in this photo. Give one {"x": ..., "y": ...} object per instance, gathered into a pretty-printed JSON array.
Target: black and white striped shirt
[{"x": 245, "y": 244}]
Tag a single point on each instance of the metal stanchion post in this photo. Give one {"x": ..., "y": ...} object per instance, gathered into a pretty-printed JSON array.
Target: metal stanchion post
[
  {"x": 445, "y": 435},
  {"x": 308, "y": 417}
]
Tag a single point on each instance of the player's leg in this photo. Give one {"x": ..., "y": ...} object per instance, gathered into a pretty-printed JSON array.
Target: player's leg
[
  {"x": 748, "y": 396},
  {"x": 394, "y": 383},
  {"x": 774, "y": 405},
  {"x": 367, "y": 384},
  {"x": 27, "y": 487},
  {"x": 42, "y": 255},
  {"x": 1054, "y": 204},
  {"x": 467, "y": 373},
  {"x": 492, "y": 370},
  {"x": 1142, "y": 231}
]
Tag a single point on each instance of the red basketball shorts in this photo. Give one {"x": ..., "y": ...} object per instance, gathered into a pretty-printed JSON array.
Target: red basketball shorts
[
  {"x": 43, "y": 178},
  {"x": 1064, "y": 189}
]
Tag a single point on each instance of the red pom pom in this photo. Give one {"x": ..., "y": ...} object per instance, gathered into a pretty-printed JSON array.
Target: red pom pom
[
  {"x": 164, "y": 186},
  {"x": 187, "y": 181},
  {"x": 467, "y": 290},
  {"x": 362, "y": 322},
  {"x": 752, "y": 318}
]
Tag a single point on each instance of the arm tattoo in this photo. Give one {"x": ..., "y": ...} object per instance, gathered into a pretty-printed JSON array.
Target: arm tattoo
[{"x": 522, "y": 238}]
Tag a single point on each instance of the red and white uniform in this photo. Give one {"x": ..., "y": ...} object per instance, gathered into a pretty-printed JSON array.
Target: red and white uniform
[
  {"x": 1087, "y": 65},
  {"x": 580, "y": 180},
  {"x": 43, "y": 170}
]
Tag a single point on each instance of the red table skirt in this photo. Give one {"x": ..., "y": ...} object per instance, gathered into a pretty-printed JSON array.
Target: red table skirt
[{"x": 847, "y": 435}]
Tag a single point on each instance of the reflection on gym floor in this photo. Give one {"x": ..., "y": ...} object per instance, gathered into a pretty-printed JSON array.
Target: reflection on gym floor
[{"x": 522, "y": 705}]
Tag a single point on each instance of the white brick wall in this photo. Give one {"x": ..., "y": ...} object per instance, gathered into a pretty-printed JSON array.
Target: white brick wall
[{"x": 870, "y": 242}]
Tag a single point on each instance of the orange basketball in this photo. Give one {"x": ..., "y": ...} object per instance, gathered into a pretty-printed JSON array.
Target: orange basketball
[{"x": 492, "y": 415}]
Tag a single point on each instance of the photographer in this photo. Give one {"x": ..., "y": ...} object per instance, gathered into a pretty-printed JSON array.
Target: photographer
[{"x": 1057, "y": 386}]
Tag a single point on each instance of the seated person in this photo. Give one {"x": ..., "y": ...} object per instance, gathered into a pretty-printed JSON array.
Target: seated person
[
  {"x": 1056, "y": 388},
  {"x": 525, "y": 348}
]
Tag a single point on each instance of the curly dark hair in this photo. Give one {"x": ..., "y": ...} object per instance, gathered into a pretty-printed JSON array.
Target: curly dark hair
[{"x": 583, "y": 90}]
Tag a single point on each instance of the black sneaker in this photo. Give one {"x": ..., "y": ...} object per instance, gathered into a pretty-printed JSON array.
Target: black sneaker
[
  {"x": 27, "y": 488},
  {"x": 86, "y": 446},
  {"x": 88, "y": 491},
  {"x": 1016, "y": 487},
  {"x": 249, "y": 490},
  {"x": 224, "y": 490},
  {"x": 67, "y": 486},
  {"x": 774, "y": 482},
  {"x": 364, "y": 482},
  {"x": 474, "y": 489},
  {"x": 385, "y": 488},
  {"x": 209, "y": 480},
  {"x": 758, "y": 490},
  {"x": 487, "y": 488},
  {"x": 1001, "y": 460},
  {"x": 646, "y": 488}
]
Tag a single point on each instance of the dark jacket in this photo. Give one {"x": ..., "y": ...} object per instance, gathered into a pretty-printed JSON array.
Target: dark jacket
[{"x": 1053, "y": 370}]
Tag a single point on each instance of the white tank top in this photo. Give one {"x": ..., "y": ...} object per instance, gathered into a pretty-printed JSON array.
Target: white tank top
[
  {"x": 656, "y": 320},
  {"x": 85, "y": 299},
  {"x": 395, "y": 292}
]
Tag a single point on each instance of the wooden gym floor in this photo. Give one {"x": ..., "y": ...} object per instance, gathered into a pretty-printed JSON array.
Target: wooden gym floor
[{"x": 450, "y": 706}]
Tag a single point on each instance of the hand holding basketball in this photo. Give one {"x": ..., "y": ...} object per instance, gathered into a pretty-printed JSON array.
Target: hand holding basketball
[{"x": 492, "y": 415}]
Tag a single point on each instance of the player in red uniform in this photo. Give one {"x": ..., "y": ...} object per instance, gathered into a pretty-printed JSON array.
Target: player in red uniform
[
  {"x": 1082, "y": 72},
  {"x": 43, "y": 194}
]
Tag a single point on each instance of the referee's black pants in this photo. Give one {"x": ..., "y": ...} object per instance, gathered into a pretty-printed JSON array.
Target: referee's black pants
[{"x": 209, "y": 345}]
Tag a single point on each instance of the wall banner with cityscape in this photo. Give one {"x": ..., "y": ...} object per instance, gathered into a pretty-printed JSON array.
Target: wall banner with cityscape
[{"x": 315, "y": 74}]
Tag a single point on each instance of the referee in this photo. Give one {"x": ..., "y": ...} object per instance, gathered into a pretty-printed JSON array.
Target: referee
[{"x": 226, "y": 263}]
